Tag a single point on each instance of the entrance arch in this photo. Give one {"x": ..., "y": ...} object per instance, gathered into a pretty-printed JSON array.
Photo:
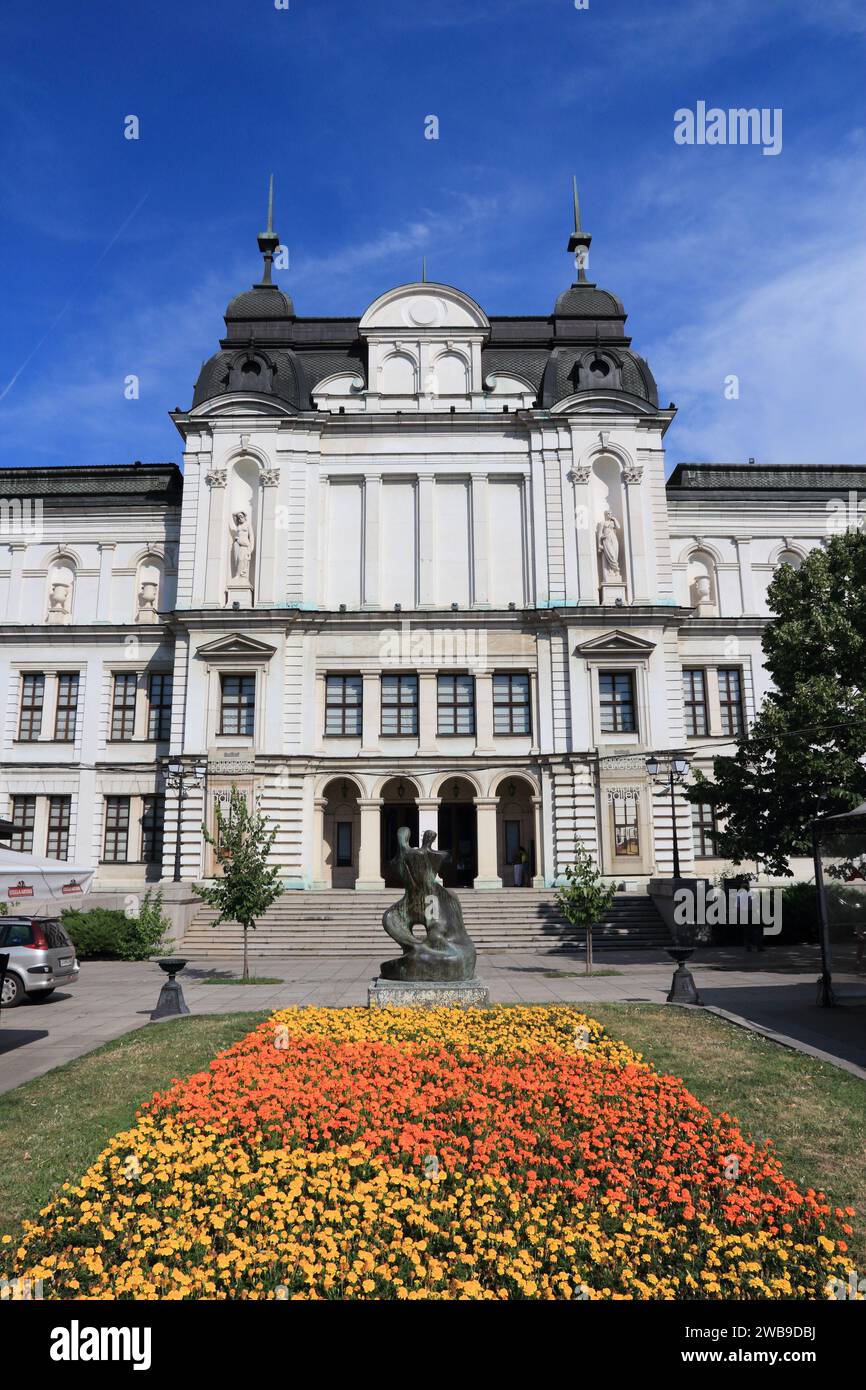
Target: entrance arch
[
  {"x": 399, "y": 808},
  {"x": 341, "y": 832},
  {"x": 515, "y": 831},
  {"x": 458, "y": 832}
]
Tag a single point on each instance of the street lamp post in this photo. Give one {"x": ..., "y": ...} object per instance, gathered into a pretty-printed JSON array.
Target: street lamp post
[
  {"x": 177, "y": 776},
  {"x": 674, "y": 775}
]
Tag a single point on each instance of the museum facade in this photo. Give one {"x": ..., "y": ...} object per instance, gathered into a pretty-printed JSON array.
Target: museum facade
[{"x": 419, "y": 568}]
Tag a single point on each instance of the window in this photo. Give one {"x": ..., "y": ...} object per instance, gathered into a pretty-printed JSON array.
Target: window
[
  {"x": 32, "y": 700},
  {"x": 616, "y": 699},
  {"x": 123, "y": 705},
  {"x": 237, "y": 704},
  {"x": 704, "y": 829},
  {"x": 455, "y": 696},
  {"x": 59, "y": 815},
  {"x": 23, "y": 816},
  {"x": 399, "y": 705},
  {"x": 512, "y": 841},
  {"x": 343, "y": 705},
  {"x": 67, "y": 707},
  {"x": 344, "y": 844},
  {"x": 152, "y": 821},
  {"x": 695, "y": 701},
  {"x": 116, "y": 829},
  {"x": 511, "y": 704},
  {"x": 626, "y": 837},
  {"x": 731, "y": 699},
  {"x": 159, "y": 687}
]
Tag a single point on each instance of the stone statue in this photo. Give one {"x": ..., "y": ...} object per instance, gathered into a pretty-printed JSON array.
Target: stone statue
[
  {"x": 446, "y": 952},
  {"x": 242, "y": 546},
  {"x": 608, "y": 547}
]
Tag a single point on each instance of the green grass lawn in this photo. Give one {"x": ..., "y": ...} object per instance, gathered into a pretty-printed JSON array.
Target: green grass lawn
[{"x": 53, "y": 1127}]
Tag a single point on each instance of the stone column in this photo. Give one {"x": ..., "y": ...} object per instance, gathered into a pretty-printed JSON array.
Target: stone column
[
  {"x": 488, "y": 877},
  {"x": 428, "y": 814},
  {"x": 318, "y": 855},
  {"x": 371, "y": 712},
  {"x": 371, "y": 597},
  {"x": 480, "y": 544},
  {"x": 319, "y": 710},
  {"x": 370, "y": 849},
  {"x": 217, "y": 539},
  {"x": 426, "y": 541},
  {"x": 538, "y": 880},
  {"x": 267, "y": 542},
  {"x": 484, "y": 741},
  {"x": 534, "y": 716},
  {"x": 49, "y": 706},
  {"x": 103, "y": 593},
  {"x": 427, "y": 712}
]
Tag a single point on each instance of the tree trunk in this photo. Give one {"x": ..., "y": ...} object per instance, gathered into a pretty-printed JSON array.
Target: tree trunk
[{"x": 246, "y": 970}]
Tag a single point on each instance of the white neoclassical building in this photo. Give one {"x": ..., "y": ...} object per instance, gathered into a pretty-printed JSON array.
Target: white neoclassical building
[{"x": 419, "y": 568}]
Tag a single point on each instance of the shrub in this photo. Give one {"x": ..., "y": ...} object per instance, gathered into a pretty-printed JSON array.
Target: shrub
[{"x": 103, "y": 933}]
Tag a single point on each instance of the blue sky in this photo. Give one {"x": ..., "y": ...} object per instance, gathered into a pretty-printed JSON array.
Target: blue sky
[{"x": 119, "y": 256}]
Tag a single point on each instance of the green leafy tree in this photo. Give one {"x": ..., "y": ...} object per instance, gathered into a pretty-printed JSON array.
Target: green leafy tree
[
  {"x": 805, "y": 754},
  {"x": 249, "y": 884},
  {"x": 584, "y": 898}
]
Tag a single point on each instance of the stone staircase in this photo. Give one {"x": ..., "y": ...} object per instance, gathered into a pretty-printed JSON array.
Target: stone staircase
[{"x": 339, "y": 923}]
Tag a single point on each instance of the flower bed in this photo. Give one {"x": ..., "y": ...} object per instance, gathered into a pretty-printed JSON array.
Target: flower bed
[{"x": 503, "y": 1153}]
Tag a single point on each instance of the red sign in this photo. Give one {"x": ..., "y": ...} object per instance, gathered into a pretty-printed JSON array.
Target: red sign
[
  {"x": 21, "y": 890},
  {"x": 71, "y": 887}
]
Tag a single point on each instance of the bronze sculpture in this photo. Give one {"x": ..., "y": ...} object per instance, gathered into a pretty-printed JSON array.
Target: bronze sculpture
[{"x": 447, "y": 951}]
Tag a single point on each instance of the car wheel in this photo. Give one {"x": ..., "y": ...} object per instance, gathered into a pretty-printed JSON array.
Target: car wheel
[
  {"x": 37, "y": 995},
  {"x": 13, "y": 992}
]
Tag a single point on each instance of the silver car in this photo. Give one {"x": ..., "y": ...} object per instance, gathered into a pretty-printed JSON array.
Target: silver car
[{"x": 41, "y": 957}]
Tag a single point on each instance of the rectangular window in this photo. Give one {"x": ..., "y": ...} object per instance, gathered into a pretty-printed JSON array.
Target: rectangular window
[
  {"x": 344, "y": 844},
  {"x": 344, "y": 705},
  {"x": 704, "y": 830},
  {"x": 731, "y": 699},
  {"x": 67, "y": 707},
  {"x": 616, "y": 701},
  {"x": 455, "y": 697},
  {"x": 123, "y": 705},
  {"x": 152, "y": 821},
  {"x": 159, "y": 687},
  {"x": 399, "y": 705},
  {"x": 59, "y": 815},
  {"x": 23, "y": 817},
  {"x": 32, "y": 700},
  {"x": 511, "y": 704},
  {"x": 695, "y": 701},
  {"x": 626, "y": 837},
  {"x": 116, "y": 829},
  {"x": 237, "y": 704}
]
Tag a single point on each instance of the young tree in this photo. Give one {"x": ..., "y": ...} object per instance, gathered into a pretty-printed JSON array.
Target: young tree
[
  {"x": 248, "y": 884},
  {"x": 584, "y": 898},
  {"x": 805, "y": 754}
]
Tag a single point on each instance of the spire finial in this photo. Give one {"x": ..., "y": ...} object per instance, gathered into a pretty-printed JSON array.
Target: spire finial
[
  {"x": 268, "y": 239},
  {"x": 423, "y": 270},
  {"x": 579, "y": 240}
]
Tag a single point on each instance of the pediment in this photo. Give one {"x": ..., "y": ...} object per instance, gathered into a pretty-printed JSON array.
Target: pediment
[
  {"x": 236, "y": 646},
  {"x": 616, "y": 643},
  {"x": 424, "y": 308}
]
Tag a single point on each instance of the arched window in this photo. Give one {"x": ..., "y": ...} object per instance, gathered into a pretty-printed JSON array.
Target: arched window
[{"x": 398, "y": 375}]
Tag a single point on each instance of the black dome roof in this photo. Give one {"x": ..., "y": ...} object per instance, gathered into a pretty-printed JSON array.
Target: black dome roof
[
  {"x": 585, "y": 301},
  {"x": 261, "y": 302}
]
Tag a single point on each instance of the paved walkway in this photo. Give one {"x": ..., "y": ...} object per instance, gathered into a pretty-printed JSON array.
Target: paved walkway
[{"x": 112, "y": 998}]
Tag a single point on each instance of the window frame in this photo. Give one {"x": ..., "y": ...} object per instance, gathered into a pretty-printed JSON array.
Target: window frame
[
  {"x": 613, "y": 704},
  {"x": 152, "y": 808},
  {"x": 240, "y": 705},
  {"x": 31, "y": 710},
  {"x": 66, "y": 711},
  {"x": 704, "y": 830},
  {"x": 121, "y": 709},
  {"x": 61, "y": 830},
  {"x": 728, "y": 706},
  {"x": 399, "y": 705},
  {"x": 343, "y": 706},
  {"x": 455, "y": 705},
  {"x": 691, "y": 705},
  {"x": 510, "y": 706},
  {"x": 629, "y": 822},
  {"x": 115, "y": 830},
  {"x": 161, "y": 708},
  {"x": 28, "y": 824}
]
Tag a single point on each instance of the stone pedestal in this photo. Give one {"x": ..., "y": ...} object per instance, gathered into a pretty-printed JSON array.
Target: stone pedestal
[
  {"x": 240, "y": 592},
  {"x": 612, "y": 592},
  {"x": 428, "y": 994}
]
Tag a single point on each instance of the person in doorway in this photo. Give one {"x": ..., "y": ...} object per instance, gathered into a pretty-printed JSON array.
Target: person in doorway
[{"x": 520, "y": 864}]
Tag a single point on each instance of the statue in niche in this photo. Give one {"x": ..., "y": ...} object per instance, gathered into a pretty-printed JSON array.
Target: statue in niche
[
  {"x": 447, "y": 951},
  {"x": 607, "y": 536},
  {"x": 242, "y": 546}
]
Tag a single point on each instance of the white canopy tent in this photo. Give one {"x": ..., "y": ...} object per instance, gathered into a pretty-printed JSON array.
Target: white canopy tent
[{"x": 26, "y": 879}]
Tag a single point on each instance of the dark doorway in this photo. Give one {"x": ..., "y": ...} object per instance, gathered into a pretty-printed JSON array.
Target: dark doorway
[
  {"x": 458, "y": 836},
  {"x": 393, "y": 816}
]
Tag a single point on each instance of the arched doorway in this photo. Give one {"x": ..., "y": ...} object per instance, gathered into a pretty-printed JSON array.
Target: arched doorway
[
  {"x": 458, "y": 832},
  {"x": 515, "y": 832},
  {"x": 398, "y": 808},
  {"x": 342, "y": 833}
]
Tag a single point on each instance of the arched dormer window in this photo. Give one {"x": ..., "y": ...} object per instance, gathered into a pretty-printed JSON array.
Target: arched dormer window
[{"x": 251, "y": 372}]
